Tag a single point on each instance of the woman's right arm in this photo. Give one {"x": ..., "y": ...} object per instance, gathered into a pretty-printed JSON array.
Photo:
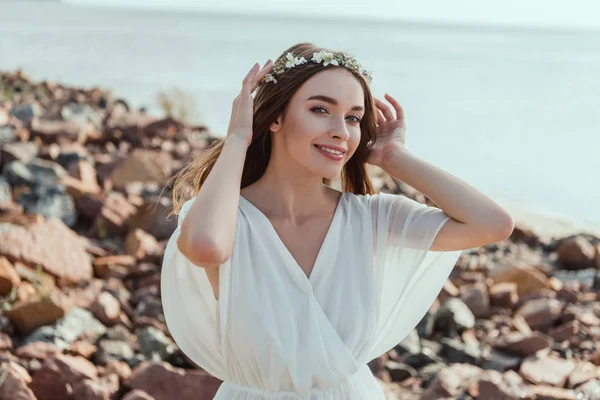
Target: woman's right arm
[{"x": 208, "y": 229}]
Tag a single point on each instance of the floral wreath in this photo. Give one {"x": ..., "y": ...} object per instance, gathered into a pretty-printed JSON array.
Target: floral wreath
[{"x": 326, "y": 57}]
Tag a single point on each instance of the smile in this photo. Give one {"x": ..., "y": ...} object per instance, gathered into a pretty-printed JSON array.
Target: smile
[{"x": 331, "y": 153}]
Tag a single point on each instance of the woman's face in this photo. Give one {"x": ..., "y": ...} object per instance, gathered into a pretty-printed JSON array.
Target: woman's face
[{"x": 324, "y": 113}]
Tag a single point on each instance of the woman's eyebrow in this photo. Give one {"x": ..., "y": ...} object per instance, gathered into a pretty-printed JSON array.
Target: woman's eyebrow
[{"x": 328, "y": 99}]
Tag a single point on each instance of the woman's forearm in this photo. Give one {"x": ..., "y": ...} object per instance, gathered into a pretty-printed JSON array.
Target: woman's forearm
[
  {"x": 455, "y": 197},
  {"x": 208, "y": 230}
]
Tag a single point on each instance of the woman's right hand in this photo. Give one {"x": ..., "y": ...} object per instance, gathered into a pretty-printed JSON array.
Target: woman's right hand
[{"x": 242, "y": 113}]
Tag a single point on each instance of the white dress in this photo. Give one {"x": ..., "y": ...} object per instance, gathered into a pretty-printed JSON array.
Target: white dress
[{"x": 275, "y": 333}]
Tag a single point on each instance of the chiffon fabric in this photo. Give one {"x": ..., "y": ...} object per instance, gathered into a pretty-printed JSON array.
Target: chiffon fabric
[{"x": 275, "y": 333}]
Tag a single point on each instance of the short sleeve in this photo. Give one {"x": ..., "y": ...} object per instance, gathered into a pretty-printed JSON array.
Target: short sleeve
[
  {"x": 408, "y": 275},
  {"x": 192, "y": 313}
]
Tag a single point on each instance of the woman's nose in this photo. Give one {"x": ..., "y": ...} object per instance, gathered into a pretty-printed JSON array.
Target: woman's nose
[{"x": 340, "y": 130}]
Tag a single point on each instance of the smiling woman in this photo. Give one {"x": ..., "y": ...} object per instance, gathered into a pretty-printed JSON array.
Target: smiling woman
[{"x": 275, "y": 282}]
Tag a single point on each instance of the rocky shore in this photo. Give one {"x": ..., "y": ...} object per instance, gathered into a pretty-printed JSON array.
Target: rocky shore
[{"x": 84, "y": 223}]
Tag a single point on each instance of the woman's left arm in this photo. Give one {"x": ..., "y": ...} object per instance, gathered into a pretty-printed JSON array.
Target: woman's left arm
[{"x": 475, "y": 221}]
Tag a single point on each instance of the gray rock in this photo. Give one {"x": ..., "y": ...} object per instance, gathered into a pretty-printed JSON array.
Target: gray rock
[
  {"x": 454, "y": 316},
  {"x": 51, "y": 201},
  {"x": 17, "y": 151},
  {"x": 82, "y": 114},
  {"x": 114, "y": 350},
  {"x": 25, "y": 112},
  {"x": 34, "y": 172},
  {"x": 68, "y": 329},
  {"x": 456, "y": 351},
  {"x": 500, "y": 361},
  {"x": 5, "y": 192},
  {"x": 7, "y": 134},
  {"x": 410, "y": 344},
  {"x": 154, "y": 344}
]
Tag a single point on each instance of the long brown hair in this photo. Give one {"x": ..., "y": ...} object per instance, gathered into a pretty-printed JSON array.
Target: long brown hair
[{"x": 271, "y": 100}]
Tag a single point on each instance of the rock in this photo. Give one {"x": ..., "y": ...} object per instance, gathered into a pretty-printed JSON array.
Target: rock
[
  {"x": 113, "y": 215},
  {"x": 451, "y": 382},
  {"x": 15, "y": 382},
  {"x": 101, "y": 389},
  {"x": 528, "y": 279},
  {"x": 476, "y": 297},
  {"x": 399, "y": 372},
  {"x": 106, "y": 308},
  {"x": 522, "y": 344},
  {"x": 26, "y": 112},
  {"x": 541, "y": 313},
  {"x": 51, "y": 201},
  {"x": 154, "y": 344},
  {"x": 138, "y": 395},
  {"x": 583, "y": 372},
  {"x": 552, "y": 393},
  {"x": 81, "y": 180},
  {"x": 457, "y": 352},
  {"x": 575, "y": 253},
  {"x": 54, "y": 130},
  {"x": 38, "y": 350},
  {"x": 34, "y": 172},
  {"x": 7, "y": 132},
  {"x": 58, "y": 375},
  {"x": 75, "y": 324},
  {"x": 143, "y": 166},
  {"x": 500, "y": 361},
  {"x": 153, "y": 218},
  {"x": 564, "y": 331},
  {"x": 164, "y": 382},
  {"x": 31, "y": 314},
  {"x": 17, "y": 151},
  {"x": 552, "y": 371},
  {"x": 454, "y": 315},
  {"x": 52, "y": 245},
  {"x": 410, "y": 344},
  {"x": 9, "y": 278},
  {"x": 114, "y": 350},
  {"x": 142, "y": 245},
  {"x": 5, "y": 342},
  {"x": 5, "y": 191},
  {"x": 504, "y": 294},
  {"x": 510, "y": 386},
  {"x": 590, "y": 389}
]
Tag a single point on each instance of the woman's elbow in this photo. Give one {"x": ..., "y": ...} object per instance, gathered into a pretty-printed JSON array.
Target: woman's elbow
[{"x": 203, "y": 251}]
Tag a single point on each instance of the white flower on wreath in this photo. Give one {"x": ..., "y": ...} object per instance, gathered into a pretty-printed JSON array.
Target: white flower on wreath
[
  {"x": 327, "y": 58},
  {"x": 270, "y": 78},
  {"x": 292, "y": 60}
]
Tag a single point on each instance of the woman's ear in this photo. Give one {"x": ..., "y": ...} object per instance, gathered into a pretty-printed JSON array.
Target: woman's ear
[{"x": 276, "y": 125}]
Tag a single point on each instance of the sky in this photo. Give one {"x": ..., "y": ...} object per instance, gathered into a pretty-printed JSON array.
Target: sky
[{"x": 583, "y": 14}]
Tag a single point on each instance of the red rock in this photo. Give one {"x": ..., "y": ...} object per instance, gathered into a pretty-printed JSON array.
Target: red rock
[
  {"x": 528, "y": 279},
  {"x": 504, "y": 294},
  {"x": 101, "y": 389},
  {"x": 15, "y": 381},
  {"x": 522, "y": 344},
  {"x": 120, "y": 368},
  {"x": 575, "y": 253},
  {"x": 583, "y": 372},
  {"x": 541, "y": 313},
  {"x": 164, "y": 382},
  {"x": 141, "y": 245},
  {"x": 553, "y": 393},
  {"x": 549, "y": 370},
  {"x": 154, "y": 218},
  {"x": 564, "y": 331},
  {"x": 55, "y": 379},
  {"x": 450, "y": 381},
  {"x": 82, "y": 180},
  {"x": 51, "y": 244},
  {"x": 39, "y": 350},
  {"x": 36, "y": 312},
  {"x": 476, "y": 298},
  {"x": 9, "y": 278},
  {"x": 82, "y": 348},
  {"x": 494, "y": 385},
  {"x": 138, "y": 395},
  {"x": 106, "y": 308},
  {"x": 143, "y": 166},
  {"x": 5, "y": 342}
]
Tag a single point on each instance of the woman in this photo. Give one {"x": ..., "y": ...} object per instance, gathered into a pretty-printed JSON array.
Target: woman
[{"x": 284, "y": 287}]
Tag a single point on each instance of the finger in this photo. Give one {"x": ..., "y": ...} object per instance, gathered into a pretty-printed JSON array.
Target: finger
[
  {"x": 387, "y": 112},
  {"x": 247, "y": 82},
  {"x": 380, "y": 117},
  {"x": 268, "y": 67},
  {"x": 397, "y": 107}
]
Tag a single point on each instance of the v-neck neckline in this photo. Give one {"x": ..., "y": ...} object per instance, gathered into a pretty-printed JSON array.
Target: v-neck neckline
[{"x": 296, "y": 268}]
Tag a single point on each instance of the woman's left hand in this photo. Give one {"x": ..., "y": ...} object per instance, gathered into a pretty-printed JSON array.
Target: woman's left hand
[{"x": 391, "y": 131}]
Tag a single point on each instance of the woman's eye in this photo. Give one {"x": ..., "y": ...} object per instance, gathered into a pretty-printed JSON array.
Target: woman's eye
[{"x": 356, "y": 119}]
